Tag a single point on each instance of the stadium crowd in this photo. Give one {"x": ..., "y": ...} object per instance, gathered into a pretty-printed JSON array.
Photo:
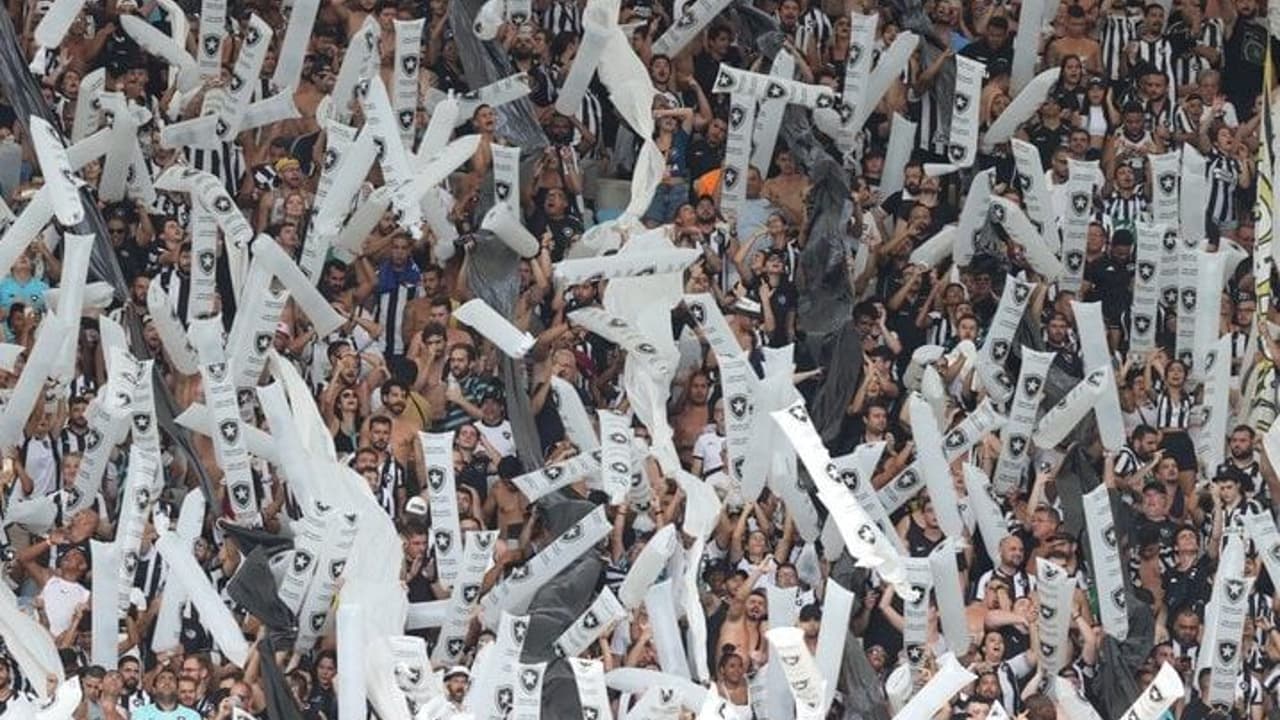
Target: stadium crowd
[{"x": 1135, "y": 83}]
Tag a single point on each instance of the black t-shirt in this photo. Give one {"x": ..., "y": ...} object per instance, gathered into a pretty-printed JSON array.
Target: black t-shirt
[
  {"x": 1047, "y": 139},
  {"x": 564, "y": 230},
  {"x": 983, "y": 52},
  {"x": 704, "y": 157},
  {"x": 1243, "y": 54}
]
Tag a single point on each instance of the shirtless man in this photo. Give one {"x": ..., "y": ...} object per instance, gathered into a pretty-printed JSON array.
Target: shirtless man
[
  {"x": 694, "y": 416},
  {"x": 1075, "y": 40},
  {"x": 506, "y": 501},
  {"x": 404, "y": 425},
  {"x": 435, "y": 307},
  {"x": 747, "y": 620}
]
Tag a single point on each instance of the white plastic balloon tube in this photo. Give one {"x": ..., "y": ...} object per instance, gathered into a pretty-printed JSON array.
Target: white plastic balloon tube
[
  {"x": 64, "y": 187},
  {"x": 501, "y": 221},
  {"x": 1021, "y": 109},
  {"x": 322, "y": 315},
  {"x": 477, "y": 314}
]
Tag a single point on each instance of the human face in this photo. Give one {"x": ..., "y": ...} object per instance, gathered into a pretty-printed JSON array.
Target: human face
[
  {"x": 400, "y": 251},
  {"x": 457, "y": 687},
  {"x": 993, "y": 647},
  {"x": 732, "y": 668},
  {"x": 757, "y": 609},
  {"x": 129, "y": 674},
  {"x": 380, "y": 435},
  {"x": 415, "y": 546},
  {"x": 326, "y": 668},
  {"x": 165, "y": 688},
  {"x": 459, "y": 363},
  {"x": 394, "y": 399},
  {"x": 1187, "y": 629},
  {"x": 996, "y": 36},
  {"x": 188, "y": 692},
  {"x": 1155, "y": 504},
  {"x": 1241, "y": 445},
  {"x": 699, "y": 389},
  {"x": 1011, "y": 552}
]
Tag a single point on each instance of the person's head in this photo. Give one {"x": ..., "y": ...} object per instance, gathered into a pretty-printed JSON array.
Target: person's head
[
  {"x": 719, "y": 38},
  {"x": 755, "y": 183},
  {"x": 1044, "y": 522},
  {"x": 997, "y": 32},
  {"x": 732, "y": 667},
  {"x": 1186, "y": 626},
  {"x": 1132, "y": 119},
  {"x": 380, "y": 432},
  {"x": 1059, "y": 329},
  {"x": 789, "y": 12},
  {"x": 1241, "y": 442},
  {"x": 1011, "y": 552},
  {"x": 1153, "y": 18},
  {"x": 414, "y": 537},
  {"x": 757, "y": 606},
  {"x": 993, "y": 647},
  {"x": 395, "y": 396},
  {"x": 1175, "y": 373},
  {"x": 326, "y": 668},
  {"x": 1155, "y": 501},
  {"x": 876, "y": 417},
  {"x": 165, "y": 687},
  {"x": 1228, "y": 484},
  {"x": 1122, "y": 245},
  {"x": 660, "y": 69},
  {"x": 460, "y": 359},
  {"x": 401, "y": 247},
  {"x": 91, "y": 682},
  {"x": 811, "y": 620},
  {"x": 73, "y": 564},
  {"x": 1145, "y": 440},
  {"x": 555, "y": 203},
  {"x": 130, "y": 672},
  {"x": 188, "y": 692},
  {"x": 456, "y": 682}
]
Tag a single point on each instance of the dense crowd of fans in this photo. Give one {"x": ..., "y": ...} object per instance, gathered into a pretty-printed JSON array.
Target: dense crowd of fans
[{"x": 1135, "y": 81}]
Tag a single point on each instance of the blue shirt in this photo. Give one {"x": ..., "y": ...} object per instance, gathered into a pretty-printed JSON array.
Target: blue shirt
[
  {"x": 153, "y": 712},
  {"x": 30, "y": 293}
]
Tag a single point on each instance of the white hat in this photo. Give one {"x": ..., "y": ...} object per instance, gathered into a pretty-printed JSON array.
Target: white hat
[
  {"x": 458, "y": 670},
  {"x": 416, "y": 506}
]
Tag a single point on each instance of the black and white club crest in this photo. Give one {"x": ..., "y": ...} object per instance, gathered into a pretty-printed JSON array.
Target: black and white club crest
[
  {"x": 1154, "y": 694},
  {"x": 955, "y": 439},
  {"x": 1235, "y": 589},
  {"x": 1023, "y": 181},
  {"x": 739, "y": 406},
  {"x": 738, "y": 464},
  {"x": 666, "y": 695},
  {"x": 962, "y": 101},
  {"x": 853, "y": 54},
  {"x": 867, "y": 534},
  {"x": 1048, "y": 611},
  {"x": 211, "y": 44},
  {"x": 71, "y": 497},
  {"x": 330, "y": 158},
  {"x": 789, "y": 659},
  {"x": 618, "y": 438},
  {"x": 1075, "y": 260},
  {"x": 590, "y": 713},
  {"x": 130, "y": 562},
  {"x": 1168, "y": 182},
  {"x": 435, "y": 477},
  {"x": 737, "y": 114},
  {"x": 620, "y": 467},
  {"x": 1188, "y": 298},
  {"x": 1170, "y": 240},
  {"x": 143, "y": 498},
  {"x": 730, "y": 177},
  {"x": 235, "y": 83},
  {"x": 1047, "y": 650},
  {"x": 646, "y": 348},
  {"x": 698, "y": 312},
  {"x": 252, "y": 36},
  {"x": 229, "y": 430},
  {"x": 849, "y": 478},
  {"x": 262, "y": 342},
  {"x": 92, "y": 440},
  {"x": 443, "y": 540},
  {"x": 1032, "y": 384},
  {"x": 845, "y": 111},
  {"x": 724, "y": 80},
  {"x": 1080, "y": 202},
  {"x": 502, "y": 189},
  {"x": 915, "y": 654},
  {"x": 956, "y": 152},
  {"x": 687, "y": 19},
  {"x": 1109, "y": 536},
  {"x": 518, "y": 628},
  {"x": 918, "y": 594},
  {"x": 301, "y": 561},
  {"x": 483, "y": 539},
  {"x": 406, "y": 119},
  {"x": 1021, "y": 291},
  {"x": 240, "y": 495},
  {"x": 1146, "y": 270},
  {"x": 590, "y": 621},
  {"x": 1169, "y": 297},
  {"x": 775, "y": 90},
  {"x": 907, "y": 480},
  {"x": 1119, "y": 598},
  {"x": 470, "y": 592},
  {"x": 504, "y": 697},
  {"x": 1018, "y": 445},
  {"x": 1000, "y": 350},
  {"x": 1227, "y": 651},
  {"x": 798, "y": 412},
  {"x": 336, "y": 567},
  {"x": 573, "y": 533},
  {"x": 317, "y": 621},
  {"x": 380, "y": 149},
  {"x": 553, "y": 472},
  {"x": 409, "y": 64},
  {"x": 518, "y": 573},
  {"x": 825, "y": 101},
  {"x": 222, "y": 204},
  {"x": 455, "y": 646},
  {"x": 141, "y": 422}
]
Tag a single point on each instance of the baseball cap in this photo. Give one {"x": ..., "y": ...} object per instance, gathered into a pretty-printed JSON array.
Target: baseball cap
[
  {"x": 416, "y": 506},
  {"x": 458, "y": 670}
]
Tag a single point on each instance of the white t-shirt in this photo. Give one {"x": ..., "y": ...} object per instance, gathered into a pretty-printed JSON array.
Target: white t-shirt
[
  {"x": 707, "y": 449},
  {"x": 60, "y": 600},
  {"x": 499, "y": 436}
]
